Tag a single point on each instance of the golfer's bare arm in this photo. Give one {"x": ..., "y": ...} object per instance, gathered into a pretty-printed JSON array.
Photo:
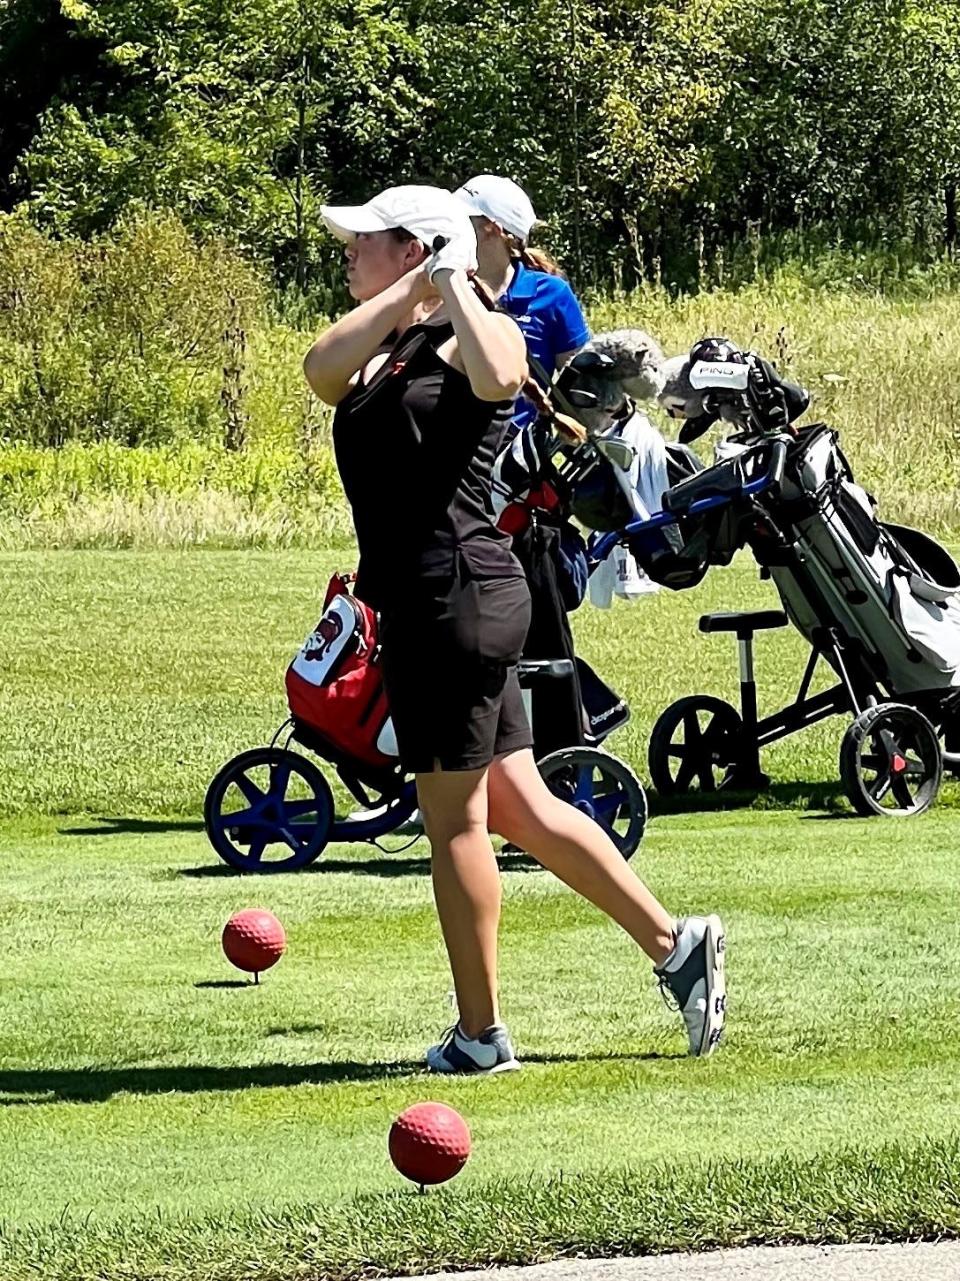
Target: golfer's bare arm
[
  {"x": 489, "y": 346},
  {"x": 332, "y": 362}
]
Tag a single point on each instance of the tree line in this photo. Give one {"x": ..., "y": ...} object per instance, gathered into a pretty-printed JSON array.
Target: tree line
[{"x": 650, "y": 133}]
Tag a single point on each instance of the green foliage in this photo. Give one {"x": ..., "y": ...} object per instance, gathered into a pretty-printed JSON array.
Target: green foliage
[
  {"x": 235, "y": 116},
  {"x": 30, "y": 476},
  {"x": 640, "y": 126},
  {"x": 595, "y": 109},
  {"x": 118, "y": 337},
  {"x": 829, "y": 113}
]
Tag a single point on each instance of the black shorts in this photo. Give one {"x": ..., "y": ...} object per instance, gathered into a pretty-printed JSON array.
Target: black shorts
[{"x": 449, "y": 667}]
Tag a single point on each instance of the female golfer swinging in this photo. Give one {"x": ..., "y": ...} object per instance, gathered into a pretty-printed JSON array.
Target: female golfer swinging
[{"x": 423, "y": 377}]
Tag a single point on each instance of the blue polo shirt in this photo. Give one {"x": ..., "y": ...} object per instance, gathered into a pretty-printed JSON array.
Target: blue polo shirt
[{"x": 546, "y": 309}]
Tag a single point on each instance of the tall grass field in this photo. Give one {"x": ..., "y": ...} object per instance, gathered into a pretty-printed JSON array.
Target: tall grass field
[{"x": 250, "y": 464}]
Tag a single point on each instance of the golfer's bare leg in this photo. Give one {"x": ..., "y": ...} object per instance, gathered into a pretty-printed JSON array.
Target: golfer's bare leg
[
  {"x": 576, "y": 849},
  {"x": 466, "y": 885}
]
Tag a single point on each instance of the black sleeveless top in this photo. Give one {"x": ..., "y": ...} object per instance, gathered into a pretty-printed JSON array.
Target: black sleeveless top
[{"x": 415, "y": 450}]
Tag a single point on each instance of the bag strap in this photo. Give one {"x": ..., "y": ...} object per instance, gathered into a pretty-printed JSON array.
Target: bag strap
[{"x": 339, "y": 585}]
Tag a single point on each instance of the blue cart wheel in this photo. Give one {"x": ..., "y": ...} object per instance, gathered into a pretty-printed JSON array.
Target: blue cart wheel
[
  {"x": 602, "y": 787},
  {"x": 268, "y": 810}
]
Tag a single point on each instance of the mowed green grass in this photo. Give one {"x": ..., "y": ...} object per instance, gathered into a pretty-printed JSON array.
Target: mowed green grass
[
  {"x": 127, "y": 679},
  {"x": 160, "y": 1119}
]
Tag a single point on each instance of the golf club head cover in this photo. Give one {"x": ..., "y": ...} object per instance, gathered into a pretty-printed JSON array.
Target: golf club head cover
[{"x": 693, "y": 428}]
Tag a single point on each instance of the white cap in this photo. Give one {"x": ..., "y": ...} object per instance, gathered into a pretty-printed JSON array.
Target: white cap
[
  {"x": 426, "y": 212},
  {"x": 500, "y": 200}
]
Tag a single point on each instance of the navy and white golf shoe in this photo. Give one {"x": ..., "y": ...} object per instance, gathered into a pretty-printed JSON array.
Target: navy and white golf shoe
[
  {"x": 490, "y": 1052},
  {"x": 693, "y": 974}
]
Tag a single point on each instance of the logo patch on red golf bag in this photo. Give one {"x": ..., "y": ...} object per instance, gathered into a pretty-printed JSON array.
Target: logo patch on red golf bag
[{"x": 335, "y": 684}]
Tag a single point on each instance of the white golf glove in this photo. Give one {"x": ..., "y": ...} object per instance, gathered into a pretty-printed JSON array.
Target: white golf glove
[{"x": 459, "y": 250}]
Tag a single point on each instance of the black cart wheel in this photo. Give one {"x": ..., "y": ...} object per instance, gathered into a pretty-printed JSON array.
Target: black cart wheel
[
  {"x": 695, "y": 745},
  {"x": 268, "y": 810},
  {"x": 602, "y": 787},
  {"x": 890, "y": 761}
]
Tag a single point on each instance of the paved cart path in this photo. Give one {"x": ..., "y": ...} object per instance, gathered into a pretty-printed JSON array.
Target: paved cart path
[{"x": 926, "y": 1261}]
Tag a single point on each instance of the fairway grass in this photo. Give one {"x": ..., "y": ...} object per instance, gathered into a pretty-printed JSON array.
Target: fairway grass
[
  {"x": 143, "y": 1084},
  {"x": 159, "y": 1118},
  {"x": 128, "y": 678}
]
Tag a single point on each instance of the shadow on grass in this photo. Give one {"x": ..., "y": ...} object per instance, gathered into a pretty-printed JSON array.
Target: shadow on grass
[
  {"x": 134, "y": 826},
  {"x": 226, "y": 983},
  {"x": 819, "y": 795},
  {"x": 386, "y": 865},
  {"x": 98, "y": 1085},
  {"x": 299, "y": 1029},
  {"x": 652, "y": 1056},
  {"x": 833, "y": 814}
]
